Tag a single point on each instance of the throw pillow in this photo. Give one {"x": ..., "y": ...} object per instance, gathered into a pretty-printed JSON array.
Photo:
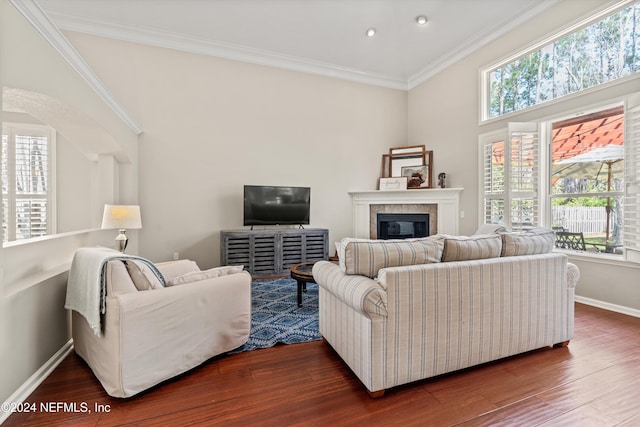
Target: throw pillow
[
  {"x": 531, "y": 242},
  {"x": 172, "y": 269},
  {"x": 196, "y": 276},
  {"x": 143, "y": 278},
  {"x": 366, "y": 257},
  {"x": 462, "y": 248}
]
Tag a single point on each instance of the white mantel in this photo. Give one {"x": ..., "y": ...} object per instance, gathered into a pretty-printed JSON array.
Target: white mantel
[{"x": 447, "y": 199}]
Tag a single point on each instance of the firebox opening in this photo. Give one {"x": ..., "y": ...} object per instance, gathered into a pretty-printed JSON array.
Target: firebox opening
[{"x": 402, "y": 225}]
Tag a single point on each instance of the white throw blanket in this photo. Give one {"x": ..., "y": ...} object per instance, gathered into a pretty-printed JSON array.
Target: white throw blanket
[{"x": 86, "y": 286}]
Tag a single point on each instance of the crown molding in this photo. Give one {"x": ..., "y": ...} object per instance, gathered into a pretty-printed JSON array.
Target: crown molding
[
  {"x": 41, "y": 22},
  {"x": 246, "y": 54},
  {"x": 475, "y": 44},
  {"x": 234, "y": 52}
]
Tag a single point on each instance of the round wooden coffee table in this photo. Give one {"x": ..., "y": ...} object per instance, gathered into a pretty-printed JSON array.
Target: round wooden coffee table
[{"x": 302, "y": 274}]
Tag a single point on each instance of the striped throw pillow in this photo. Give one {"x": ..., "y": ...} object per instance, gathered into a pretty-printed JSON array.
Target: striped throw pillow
[
  {"x": 366, "y": 257},
  {"x": 532, "y": 242},
  {"x": 462, "y": 248}
]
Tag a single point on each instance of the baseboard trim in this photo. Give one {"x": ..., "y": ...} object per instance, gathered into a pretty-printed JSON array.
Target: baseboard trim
[
  {"x": 608, "y": 306},
  {"x": 25, "y": 390}
]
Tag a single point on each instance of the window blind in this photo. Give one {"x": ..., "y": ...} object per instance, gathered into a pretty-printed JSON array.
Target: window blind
[
  {"x": 25, "y": 181},
  {"x": 493, "y": 181},
  {"x": 632, "y": 179},
  {"x": 523, "y": 177}
]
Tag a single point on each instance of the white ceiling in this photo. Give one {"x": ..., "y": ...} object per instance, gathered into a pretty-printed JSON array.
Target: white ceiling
[{"x": 319, "y": 36}]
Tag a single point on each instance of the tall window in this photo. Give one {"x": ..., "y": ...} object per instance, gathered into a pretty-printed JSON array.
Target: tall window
[
  {"x": 589, "y": 191},
  {"x": 605, "y": 50},
  {"x": 587, "y": 179},
  {"x": 511, "y": 177},
  {"x": 26, "y": 178}
]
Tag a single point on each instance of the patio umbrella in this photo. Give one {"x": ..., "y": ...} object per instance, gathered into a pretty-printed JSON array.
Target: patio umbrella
[{"x": 591, "y": 165}]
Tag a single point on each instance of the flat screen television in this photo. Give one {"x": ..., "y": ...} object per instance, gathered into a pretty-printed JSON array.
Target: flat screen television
[{"x": 272, "y": 205}]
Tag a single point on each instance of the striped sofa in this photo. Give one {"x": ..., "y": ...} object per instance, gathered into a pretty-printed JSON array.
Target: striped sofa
[{"x": 402, "y": 311}]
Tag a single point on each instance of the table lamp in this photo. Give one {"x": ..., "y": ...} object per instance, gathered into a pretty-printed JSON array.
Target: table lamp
[{"x": 121, "y": 217}]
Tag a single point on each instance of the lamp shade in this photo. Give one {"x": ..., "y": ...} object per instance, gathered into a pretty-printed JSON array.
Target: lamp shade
[{"x": 121, "y": 217}]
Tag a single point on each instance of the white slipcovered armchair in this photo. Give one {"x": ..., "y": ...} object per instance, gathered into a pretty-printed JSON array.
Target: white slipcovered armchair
[{"x": 148, "y": 336}]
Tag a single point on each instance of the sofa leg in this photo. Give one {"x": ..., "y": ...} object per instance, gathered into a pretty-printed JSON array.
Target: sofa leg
[
  {"x": 561, "y": 344},
  {"x": 375, "y": 394}
]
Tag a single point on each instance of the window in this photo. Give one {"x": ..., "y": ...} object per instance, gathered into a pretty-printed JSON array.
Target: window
[
  {"x": 589, "y": 191},
  {"x": 606, "y": 50},
  {"x": 587, "y": 181},
  {"x": 26, "y": 181},
  {"x": 511, "y": 183}
]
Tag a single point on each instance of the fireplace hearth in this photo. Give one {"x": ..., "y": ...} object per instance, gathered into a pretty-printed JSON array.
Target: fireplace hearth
[{"x": 402, "y": 225}]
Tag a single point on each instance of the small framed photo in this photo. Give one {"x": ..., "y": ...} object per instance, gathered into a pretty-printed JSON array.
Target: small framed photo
[
  {"x": 417, "y": 176},
  {"x": 395, "y": 183}
]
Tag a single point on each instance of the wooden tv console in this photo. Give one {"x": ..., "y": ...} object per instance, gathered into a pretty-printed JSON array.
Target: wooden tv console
[{"x": 268, "y": 253}]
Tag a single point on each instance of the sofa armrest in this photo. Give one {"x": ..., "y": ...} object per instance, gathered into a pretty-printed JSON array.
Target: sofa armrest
[
  {"x": 573, "y": 275},
  {"x": 359, "y": 292}
]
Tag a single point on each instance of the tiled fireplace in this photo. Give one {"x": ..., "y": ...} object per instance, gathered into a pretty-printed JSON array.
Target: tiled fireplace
[{"x": 441, "y": 206}]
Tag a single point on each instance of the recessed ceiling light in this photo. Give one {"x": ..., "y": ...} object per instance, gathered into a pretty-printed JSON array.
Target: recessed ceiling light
[
  {"x": 371, "y": 32},
  {"x": 421, "y": 20}
]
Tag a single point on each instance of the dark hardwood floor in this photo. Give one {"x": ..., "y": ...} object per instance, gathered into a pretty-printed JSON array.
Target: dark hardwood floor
[{"x": 593, "y": 382}]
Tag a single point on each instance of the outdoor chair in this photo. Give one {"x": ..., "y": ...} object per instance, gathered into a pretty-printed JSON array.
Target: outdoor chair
[{"x": 569, "y": 240}]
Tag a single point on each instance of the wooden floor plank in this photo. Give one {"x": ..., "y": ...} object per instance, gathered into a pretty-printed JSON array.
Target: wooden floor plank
[
  {"x": 594, "y": 381},
  {"x": 620, "y": 404},
  {"x": 584, "y": 416},
  {"x": 526, "y": 412}
]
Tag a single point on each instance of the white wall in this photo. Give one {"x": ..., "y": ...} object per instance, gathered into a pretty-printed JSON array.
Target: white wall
[
  {"x": 33, "y": 322},
  {"x": 74, "y": 185},
  {"x": 212, "y": 125},
  {"x": 444, "y": 115}
]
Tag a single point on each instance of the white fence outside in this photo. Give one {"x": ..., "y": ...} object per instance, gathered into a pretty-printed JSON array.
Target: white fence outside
[{"x": 586, "y": 219}]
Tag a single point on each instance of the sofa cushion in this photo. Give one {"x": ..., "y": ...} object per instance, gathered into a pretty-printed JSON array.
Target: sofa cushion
[
  {"x": 196, "y": 276},
  {"x": 463, "y": 248},
  {"x": 143, "y": 278},
  {"x": 171, "y": 269},
  {"x": 531, "y": 242},
  {"x": 365, "y": 257}
]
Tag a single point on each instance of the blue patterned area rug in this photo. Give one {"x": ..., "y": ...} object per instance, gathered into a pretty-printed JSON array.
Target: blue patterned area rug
[{"x": 276, "y": 317}]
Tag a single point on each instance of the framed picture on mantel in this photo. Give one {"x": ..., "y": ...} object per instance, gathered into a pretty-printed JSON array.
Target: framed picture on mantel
[
  {"x": 417, "y": 176},
  {"x": 394, "y": 183},
  {"x": 412, "y": 161}
]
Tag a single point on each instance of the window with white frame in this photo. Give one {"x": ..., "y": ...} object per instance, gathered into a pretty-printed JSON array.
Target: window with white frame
[
  {"x": 587, "y": 179},
  {"x": 581, "y": 177},
  {"x": 511, "y": 177},
  {"x": 26, "y": 181},
  {"x": 604, "y": 49}
]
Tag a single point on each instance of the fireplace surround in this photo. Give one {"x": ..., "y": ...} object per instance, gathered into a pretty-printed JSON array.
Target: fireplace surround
[{"x": 442, "y": 205}]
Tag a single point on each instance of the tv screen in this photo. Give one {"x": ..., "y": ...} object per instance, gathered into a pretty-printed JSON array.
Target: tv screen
[{"x": 270, "y": 205}]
